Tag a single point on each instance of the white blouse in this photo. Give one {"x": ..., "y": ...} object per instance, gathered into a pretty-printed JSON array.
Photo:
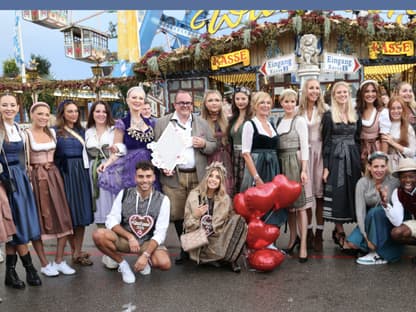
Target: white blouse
[
  {"x": 248, "y": 132},
  {"x": 301, "y": 127}
]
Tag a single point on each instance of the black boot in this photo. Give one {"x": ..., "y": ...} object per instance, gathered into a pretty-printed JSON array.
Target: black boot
[
  {"x": 32, "y": 276},
  {"x": 11, "y": 276},
  {"x": 183, "y": 255},
  {"x": 310, "y": 239}
]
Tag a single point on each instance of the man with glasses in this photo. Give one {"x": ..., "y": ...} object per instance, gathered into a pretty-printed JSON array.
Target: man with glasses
[{"x": 178, "y": 183}]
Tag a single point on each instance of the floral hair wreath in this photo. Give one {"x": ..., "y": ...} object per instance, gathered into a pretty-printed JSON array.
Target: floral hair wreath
[{"x": 218, "y": 165}]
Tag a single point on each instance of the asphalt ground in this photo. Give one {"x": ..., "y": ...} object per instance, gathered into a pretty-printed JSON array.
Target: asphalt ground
[{"x": 329, "y": 281}]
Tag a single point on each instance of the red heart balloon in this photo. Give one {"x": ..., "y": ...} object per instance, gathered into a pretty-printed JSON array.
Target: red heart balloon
[
  {"x": 260, "y": 199},
  {"x": 265, "y": 259},
  {"x": 240, "y": 206},
  {"x": 287, "y": 191},
  {"x": 261, "y": 235}
]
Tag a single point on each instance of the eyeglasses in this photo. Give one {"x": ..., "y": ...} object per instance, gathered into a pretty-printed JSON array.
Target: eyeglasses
[
  {"x": 184, "y": 103},
  {"x": 242, "y": 89}
]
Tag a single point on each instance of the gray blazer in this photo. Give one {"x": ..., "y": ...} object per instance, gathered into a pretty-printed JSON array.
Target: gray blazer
[{"x": 200, "y": 128}]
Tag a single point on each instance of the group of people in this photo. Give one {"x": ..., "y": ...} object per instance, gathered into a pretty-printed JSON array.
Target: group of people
[{"x": 57, "y": 180}]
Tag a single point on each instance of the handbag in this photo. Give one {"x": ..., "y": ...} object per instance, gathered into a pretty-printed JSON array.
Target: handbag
[{"x": 194, "y": 240}]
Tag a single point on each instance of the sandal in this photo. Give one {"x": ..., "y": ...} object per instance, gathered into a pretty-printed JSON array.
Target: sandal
[
  {"x": 82, "y": 261},
  {"x": 334, "y": 236},
  {"x": 341, "y": 239}
]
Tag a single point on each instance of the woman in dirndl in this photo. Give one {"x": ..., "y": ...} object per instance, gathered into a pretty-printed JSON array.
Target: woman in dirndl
[
  {"x": 48, "y": 188},
  {"x": 72, "y": 160},
  {"x": 131, "y": 136},
  {"x": 213, "y": 113},
  {"x": 15, "y": 182},
  {"x": 312, "y": 107},
  {"x": 293, "y": 158},
  {"x": 369, "y": 108},
  {"x": 401, "y": 140},
  {"x": 259, "y": 147},
  {"x": 342, "y": 162},
  {"x": 99, "y": 138},
  {"x": 209, "y": 206},
  {"x": 241, "y": 112}
]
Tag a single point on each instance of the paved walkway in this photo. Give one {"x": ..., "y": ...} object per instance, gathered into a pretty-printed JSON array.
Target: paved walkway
[{"x": 329, "y": 281}]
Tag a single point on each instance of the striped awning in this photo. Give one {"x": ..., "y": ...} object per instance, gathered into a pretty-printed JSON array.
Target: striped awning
[
  {"x": 381, "y": 72},
  {"x": 240, "y": 79}
]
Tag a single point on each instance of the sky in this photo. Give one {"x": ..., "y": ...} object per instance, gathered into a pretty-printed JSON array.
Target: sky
[{"x": 48, "y": 43}]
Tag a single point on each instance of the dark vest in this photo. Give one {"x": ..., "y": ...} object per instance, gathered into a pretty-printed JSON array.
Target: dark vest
[
  {"x": 128, "y": 208},
  {"x": 408, "y": 201}
]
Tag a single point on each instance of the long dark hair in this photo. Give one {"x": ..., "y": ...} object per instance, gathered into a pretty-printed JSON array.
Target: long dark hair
[
  {"x": 60, "y": 120},
  {"x": 234, "y": 109},
  {"x": 109, "y": 120},
  {"x": 361, "y": 104}
]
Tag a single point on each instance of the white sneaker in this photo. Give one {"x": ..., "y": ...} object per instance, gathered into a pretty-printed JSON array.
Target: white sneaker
[
  {"x": 109, "y": 263},
  {"x": 147, "y": 270},
  {"x": 1, "y": 257},
  {"x": 126, "y": 273},
  {"x": 49, "y": 270},
  {"x": 272, "y": 246},
  {"x": 371, "y": 259},
  {"x": 64, "y": 268}
]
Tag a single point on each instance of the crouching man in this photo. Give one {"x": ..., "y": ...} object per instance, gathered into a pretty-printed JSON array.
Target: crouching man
[{"x": 137, "y": 224}]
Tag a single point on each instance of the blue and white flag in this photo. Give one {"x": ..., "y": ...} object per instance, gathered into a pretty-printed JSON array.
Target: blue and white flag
[{"x": 17, "y": 41}]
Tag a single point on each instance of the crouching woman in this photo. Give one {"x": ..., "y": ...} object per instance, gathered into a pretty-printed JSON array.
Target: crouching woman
[
  {"x": 372, "y": 195},
  {"x": 210, "y": 207}
]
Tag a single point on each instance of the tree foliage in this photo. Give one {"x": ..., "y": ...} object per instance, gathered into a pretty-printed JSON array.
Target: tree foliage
[
  {"x": 43, "y": 66},
  {"x": 10, "y": 68}
]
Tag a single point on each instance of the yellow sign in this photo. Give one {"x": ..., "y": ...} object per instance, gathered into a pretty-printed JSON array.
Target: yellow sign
[
  {"x": 234, "y": 18},
  {"x": 230, "y": 59},
  {"x": 390, "y": 48}
]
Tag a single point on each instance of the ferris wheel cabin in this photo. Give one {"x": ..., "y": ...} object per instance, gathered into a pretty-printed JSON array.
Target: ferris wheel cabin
[
  {"x": 53, "y": 19},
  {"x": 85, "y": 44}
]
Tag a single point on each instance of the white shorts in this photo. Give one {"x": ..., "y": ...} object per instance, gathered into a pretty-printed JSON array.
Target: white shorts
[{"x": 411, "y": 224}]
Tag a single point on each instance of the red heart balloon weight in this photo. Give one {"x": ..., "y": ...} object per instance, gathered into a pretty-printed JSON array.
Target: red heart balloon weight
[
  {"x": 265, "y": 259},
  {"x": 287, "y": 191},
  {"x": 261, "y": 235},
  {"x": 240, "y": 206},
  {"x": 260, "y": 199}
]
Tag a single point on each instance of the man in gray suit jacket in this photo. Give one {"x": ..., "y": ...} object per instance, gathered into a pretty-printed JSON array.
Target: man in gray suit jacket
[{"x": 178, "y": 183}]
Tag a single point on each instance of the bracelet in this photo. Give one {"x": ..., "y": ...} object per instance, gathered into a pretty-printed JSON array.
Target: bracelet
[
  {"x": 146, "y": 254},
  {"x": 256, "y": 176}
]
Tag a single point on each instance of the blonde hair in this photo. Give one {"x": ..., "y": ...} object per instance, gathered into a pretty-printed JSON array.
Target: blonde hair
[
  {"x": 335, "y": 110},
  {"x": 258, "y": 97},
  {"x": 287, "y": 93},
  {"x": 203, "y": 185},
  {"x": 397, "y": 89},
  {"x": 303, "y": 100},
  {"x": 222, "y": 119}
]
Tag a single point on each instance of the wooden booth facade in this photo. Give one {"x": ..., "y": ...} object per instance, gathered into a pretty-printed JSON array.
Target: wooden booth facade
[{"x": 235, "y": 59}]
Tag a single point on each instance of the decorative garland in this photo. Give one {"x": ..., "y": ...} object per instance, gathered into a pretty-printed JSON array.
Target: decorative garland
[{"x": 320, "y": 23}]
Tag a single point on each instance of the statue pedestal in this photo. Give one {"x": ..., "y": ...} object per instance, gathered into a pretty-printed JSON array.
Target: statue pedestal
[{"x": 307, "y": 71}]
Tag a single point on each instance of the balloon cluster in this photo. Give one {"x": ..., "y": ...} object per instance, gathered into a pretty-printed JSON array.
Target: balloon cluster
[{"x": 253, "y": 204}]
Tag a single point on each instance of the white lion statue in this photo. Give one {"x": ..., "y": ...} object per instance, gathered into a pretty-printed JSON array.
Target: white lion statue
[{"x": 309, "y": 49}]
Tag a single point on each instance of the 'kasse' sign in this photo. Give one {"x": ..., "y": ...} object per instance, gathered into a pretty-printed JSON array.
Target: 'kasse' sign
[
  {"x": 279, "y": 65},
  {"x": 333, "y": 62}
]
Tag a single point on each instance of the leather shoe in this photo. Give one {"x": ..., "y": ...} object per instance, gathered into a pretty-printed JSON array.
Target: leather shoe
[
  {"x": 235, "y": 267},
  {"x": 183, "y": 256},
  {"x": 303, "y": 259}
]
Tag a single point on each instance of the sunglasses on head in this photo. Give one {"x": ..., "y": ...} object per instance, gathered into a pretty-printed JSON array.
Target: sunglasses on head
[{"x": 242, "y": 89}]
